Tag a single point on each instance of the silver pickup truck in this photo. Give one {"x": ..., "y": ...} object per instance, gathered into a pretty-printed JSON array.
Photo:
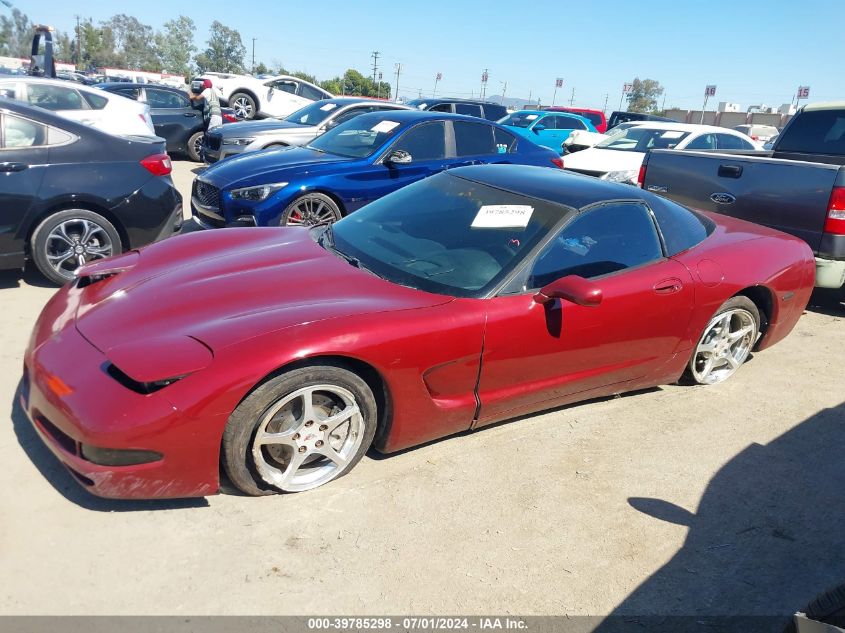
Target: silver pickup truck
[{"x": 798, "y": 187}]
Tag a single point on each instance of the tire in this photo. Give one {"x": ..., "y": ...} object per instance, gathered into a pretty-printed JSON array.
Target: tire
[
  {"x": 311, "y": 209},
  {"x": 67, "y": 239},
  {"x": 258, "y": 464},
  {"x": 828, "y": 608},
  {"x": 244, "y": 105},
  {"x": 194, "y": 146},
  {"x": 726, "y": 342}
]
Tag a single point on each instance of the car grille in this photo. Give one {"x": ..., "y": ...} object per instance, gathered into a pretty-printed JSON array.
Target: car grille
[
  {"x": 213, "y": 141},
  {"x": 207, "y": 195}
]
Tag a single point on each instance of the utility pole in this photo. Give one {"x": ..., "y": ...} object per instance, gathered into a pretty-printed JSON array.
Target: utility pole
[
  {"x": 375, "y": 64},
  {"x": 378, "y": 88},
  {"x": 503, "y": 90},
  {"x": 398, "y": 67},
  {"x": 606, "y": 97},
  {"x": 437, "y": 78},
  {"x": 572, "y": 98},
  {"x": 663, "y": 105},
  {"x": 78, "y": 43},
  {"x": 529, "y": 98},
  {"x": 483, "y": 84},
  {"x": 253, "y": 54}
]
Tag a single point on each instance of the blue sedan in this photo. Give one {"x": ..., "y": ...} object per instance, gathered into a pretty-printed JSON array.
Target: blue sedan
[
  {"x": 351, "y": 165},
  {"x": 549, "y": 129}
]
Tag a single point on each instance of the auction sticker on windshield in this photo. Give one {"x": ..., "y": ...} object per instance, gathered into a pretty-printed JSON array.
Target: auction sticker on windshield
[
  {"x": 503, "y": 216},
  {"x": 384, "y": 126},
  {"x": 671, "y": 134},
  {"x": 328, "y": 106}
]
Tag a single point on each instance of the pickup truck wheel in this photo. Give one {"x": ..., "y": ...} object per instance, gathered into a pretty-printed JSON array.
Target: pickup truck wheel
[
  {"x": 195, "y": 146},
  {"x": 311, "y": 209},
  {"x": 726, "y": 342},
  {"x": 243, "y": 105}
]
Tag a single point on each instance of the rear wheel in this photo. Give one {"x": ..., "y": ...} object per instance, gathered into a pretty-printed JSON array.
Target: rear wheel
[
  {"x": 68, "y": 239},
  {"x": 195, "y": 146},
  {"x": 299, "y": 431},
  {"x": 244, "y": 105},
  {"x": 311, "y": 209},
  {"x": 726, "y": 342}
]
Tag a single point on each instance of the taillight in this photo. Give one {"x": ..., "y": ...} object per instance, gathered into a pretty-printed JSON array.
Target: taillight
[
  {"x": 558, "y": 162},
  {"x": 641, "y": 176},
  {"x": 230, "y": 118},
  {"x": 158, "y": 164},
  {"x": 835, "y": 222},
  {"x": 755, "y": 138}
]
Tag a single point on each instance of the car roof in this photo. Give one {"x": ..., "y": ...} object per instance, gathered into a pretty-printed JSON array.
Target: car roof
[
  {"x": 454, "y": 100},
  {"x": 367, "y": 100},
  {"x": 681, "y": 127},
  {"x": 44, "y": 116},
  {"x": 410, "y": 115},
  {"x": 555, "y": 185},
  {"x": 555, "y": 112},
  {"x": 825, "y": 105}
]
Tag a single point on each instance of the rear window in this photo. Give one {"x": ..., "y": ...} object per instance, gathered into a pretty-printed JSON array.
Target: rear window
[
  {"x": 681, "y": 228},
  {"x": 815, "y": 132},
  {"x": 97, "y": 102},
  {"x": 470, "y": 109},
  {"x": 472, "y": 139},
  {"x": 594, "y": 118}
]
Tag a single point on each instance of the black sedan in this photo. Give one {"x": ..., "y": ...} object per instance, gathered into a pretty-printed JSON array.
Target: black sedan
[
  {"x": 72, "y": 194},
  {"x": 175, "y": 118}
]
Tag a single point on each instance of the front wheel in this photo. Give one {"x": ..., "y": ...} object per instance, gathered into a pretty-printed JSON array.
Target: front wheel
[
  {"x": 299, "y": 430},
  {"x": 244, "y": 105},
  {"x": 195, "y": 146},
  {"x": 68, "y": 239},
  {"x": 726, "y": 342},
  {"x": 311, "y": 209}
]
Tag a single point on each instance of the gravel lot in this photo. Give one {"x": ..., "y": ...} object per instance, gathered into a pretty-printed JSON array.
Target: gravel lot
[{"x": 679, "y": 500}]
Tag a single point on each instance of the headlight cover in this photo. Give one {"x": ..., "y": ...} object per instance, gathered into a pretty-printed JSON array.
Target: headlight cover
[
  {"x": 246, "y": 140},
  {"x": 257, "y": 193},
  {"x": 627, "y": 176}
]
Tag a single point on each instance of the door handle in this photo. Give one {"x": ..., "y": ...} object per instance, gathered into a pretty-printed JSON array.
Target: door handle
[
  {"x": 13, "y": 167},
  {"x": 668, "y": 286},
  {"x": 190, "y": 114},
  {"x": 730, "y": 171}
]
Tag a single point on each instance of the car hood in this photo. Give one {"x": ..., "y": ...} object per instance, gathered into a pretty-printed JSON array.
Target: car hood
[
  {"x": 251, "y": 128},
  {"x": 228, "y": 285},
  {"x": 603, "y": 160},
  {"x": 257, "y": 168}
]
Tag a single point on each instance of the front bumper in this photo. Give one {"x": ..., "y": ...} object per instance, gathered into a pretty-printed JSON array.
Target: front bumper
[
  {"x": 830, "y": 273},
  {"x": 212, "y": 156},
  {"x": 72, "y": 401}
]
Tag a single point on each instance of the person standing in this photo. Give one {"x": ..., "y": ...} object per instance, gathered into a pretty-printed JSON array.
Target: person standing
[{"x": 212, "y": 116}]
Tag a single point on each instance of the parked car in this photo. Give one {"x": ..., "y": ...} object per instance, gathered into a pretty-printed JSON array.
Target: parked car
[
  {"x": 596, "y": 117},
  {"x": 548, "y": 129},
  {"x": 477, "y": 295},
  {"x": 298, "y": 128},
  {"x": 469, "y": 107},
  {"x": 618, "y": 117},
  {"x": 760, "y": 133},
  {"x": 582, "y": 139},
  {"x": 349, "y": 166},
  {"x": 175, "y": 118},
  {"x": 277, "y": 97},
  {"x": 72, "y": 194},
  {"x": 798, "y": 187},
  {"x": 619, "y": 157},
  {"x": 107, "y": 112}
]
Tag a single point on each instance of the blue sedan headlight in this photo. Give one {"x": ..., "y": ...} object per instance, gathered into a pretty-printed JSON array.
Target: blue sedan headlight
[{"x": 257, "y": 193}]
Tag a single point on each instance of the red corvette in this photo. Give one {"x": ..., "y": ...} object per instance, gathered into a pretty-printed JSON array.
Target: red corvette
[{"x": 473, "y": 296}]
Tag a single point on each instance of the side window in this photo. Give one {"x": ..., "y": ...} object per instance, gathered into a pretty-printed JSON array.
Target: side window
[
  {"x": 505, "y": 141},
  {"x": 473, "y": 139},
  {"x": 729, "y": 141},
  {"x": 310, "y": 93},
  {"x": 604, "y": 240},
  {"x": 284, "y": 85},
  {"x": 8, "y": 90},
  {"x": 18, "y": 132},
  {"x": 97, "y": 102},
  {"x": 442, "y": 107},
  {"x": 55, "y": 97},
  {"x": 165, "y": 99},
  {"x": 569, "y": 123},
  {"x": 548, "y": 122},
  {"x": 470, "y": 109},
  {"x": 129, "y": 93},
  {"x": 424, "y": 142},
  {"x": 705, "y": 141}
]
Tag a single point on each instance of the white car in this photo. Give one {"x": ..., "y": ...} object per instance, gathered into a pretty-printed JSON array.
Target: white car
[
  {"x": 100, "y": 109},
  {"x": 618, "y": 158},
  {"x": 276, "y": 97},
  {"x": 582, "y": 139}
]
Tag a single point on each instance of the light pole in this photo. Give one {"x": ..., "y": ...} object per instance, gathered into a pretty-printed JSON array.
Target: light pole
[
  {"x": 483, "y": 84},
  {"x": 253, "y": 54},
  {"x": 398, "y": 67},
  {"x": 504, "y": 88},
  {"x": 437, "y": 78}
]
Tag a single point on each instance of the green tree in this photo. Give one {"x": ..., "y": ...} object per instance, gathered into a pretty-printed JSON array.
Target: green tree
[
  {"x": 16, "y": 35},
  {"x": 175, "y": 45},
  {"x": 225, "y": 52},
  {"x": 261, "y": 69},
  {"x": 644, "y": 95},
  {"x": 98, "y": 46},
  {"x": 134, "y": 43}
]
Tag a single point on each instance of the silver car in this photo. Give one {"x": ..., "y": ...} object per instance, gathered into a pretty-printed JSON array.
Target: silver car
[{"x": 299, "y": 128}]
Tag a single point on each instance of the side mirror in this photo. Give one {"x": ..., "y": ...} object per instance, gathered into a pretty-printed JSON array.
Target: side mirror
[
  {"x": 538, "y": 128},
  {"x": 399, "y": 157},
  {"x": 571, "y": 288}
]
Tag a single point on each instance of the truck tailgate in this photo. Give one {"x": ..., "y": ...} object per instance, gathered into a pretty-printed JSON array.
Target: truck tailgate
[{"x": 787, "y": 195}]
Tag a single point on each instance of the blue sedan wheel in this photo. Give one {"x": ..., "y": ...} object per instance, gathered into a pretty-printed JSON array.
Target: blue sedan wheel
[{"x": 311, "y": 209}]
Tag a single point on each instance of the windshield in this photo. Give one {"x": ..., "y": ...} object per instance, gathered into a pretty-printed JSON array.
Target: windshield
[
  {"x": 519, "y": 119},
  {"x": 312, "y": 114},
  {"x": 446, "y": 234},
  {"x": 359, "y": 137},
  {"x": 642, "y": 139}
]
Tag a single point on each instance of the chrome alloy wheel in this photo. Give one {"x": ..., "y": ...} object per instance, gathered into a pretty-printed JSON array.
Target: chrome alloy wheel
[
  {"x": 725, "y": 345},
  {"x": 308, "y": 437},
  {"x": 75, "y": 242},
  {"x": 311, "y": 211},
  {"x": 243, "y": 107}
]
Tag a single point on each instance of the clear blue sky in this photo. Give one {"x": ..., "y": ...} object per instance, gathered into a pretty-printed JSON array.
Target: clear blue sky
[{"x": 754, "y": 52}]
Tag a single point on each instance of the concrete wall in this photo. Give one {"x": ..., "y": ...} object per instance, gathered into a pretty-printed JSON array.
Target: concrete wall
[
  {"x": 727, "y": 119},
  {"x": 732, "y": 119}
]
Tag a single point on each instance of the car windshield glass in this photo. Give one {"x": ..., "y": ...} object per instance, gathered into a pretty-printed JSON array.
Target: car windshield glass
[
  {"x": 520, "y": 119},
  {"x": 446, "y": 234},
  {"x": 641, "y": 139},
  {"x": 312, "y": 114},
  {"x": 815, "y": 132},
  {"x": 357, "y": 138}
]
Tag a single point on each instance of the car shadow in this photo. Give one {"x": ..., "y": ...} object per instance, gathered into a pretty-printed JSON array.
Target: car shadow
[
  {"x": 767, "y": 537},
  {"x": 828, "y": 302},
  {"x": 61, "y": 480},
  {"x": 13, "y": 278}
]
